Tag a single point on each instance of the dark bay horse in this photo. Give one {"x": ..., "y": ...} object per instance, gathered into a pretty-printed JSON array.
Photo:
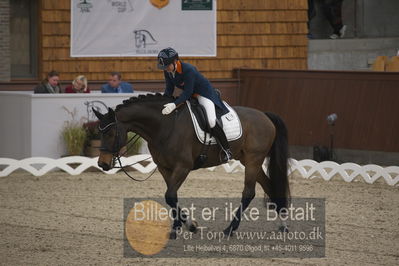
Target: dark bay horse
[{"x": 174, "y": 148}]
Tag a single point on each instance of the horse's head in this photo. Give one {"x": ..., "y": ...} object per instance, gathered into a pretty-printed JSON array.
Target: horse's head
[{"x": 113, "y": 138}]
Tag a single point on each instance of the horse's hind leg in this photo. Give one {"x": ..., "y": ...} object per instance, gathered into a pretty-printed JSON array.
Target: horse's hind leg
[
  {"x": 248, "y": 194},
  {"x": 265, "y": 182},
  {"x": 266, "y": 185}
]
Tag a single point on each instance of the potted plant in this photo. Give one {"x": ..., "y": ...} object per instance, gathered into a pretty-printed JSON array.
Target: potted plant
[
  {"x": 74, "y": 135},
  {"x": 93, "y": 140}
]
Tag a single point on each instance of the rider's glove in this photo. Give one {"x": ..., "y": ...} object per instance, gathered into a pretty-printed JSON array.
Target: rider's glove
[{"x": 169, "y": 107}]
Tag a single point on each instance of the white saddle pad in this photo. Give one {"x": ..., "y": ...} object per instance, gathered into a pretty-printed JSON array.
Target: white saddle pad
[{"x": 231, "y": 126}]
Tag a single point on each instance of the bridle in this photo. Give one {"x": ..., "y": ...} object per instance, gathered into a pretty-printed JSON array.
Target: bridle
[{"x": 117, "y": 147}]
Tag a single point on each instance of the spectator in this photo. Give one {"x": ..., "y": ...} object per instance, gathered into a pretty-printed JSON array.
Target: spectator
[
  {"x": 51, "y": 84},
  {"x": 116, "y": 85},
  {"x": 79, "y": 85},
  {"x": 333, "y": 11},
  {"x": 311, "y": 15}
]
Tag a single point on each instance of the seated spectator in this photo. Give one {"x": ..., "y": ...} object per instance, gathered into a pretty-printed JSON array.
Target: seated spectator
[
  {"x": 79, "y": 85},
  {"x": 116, "y": 85},
  {"x": 51, "y": 84}
]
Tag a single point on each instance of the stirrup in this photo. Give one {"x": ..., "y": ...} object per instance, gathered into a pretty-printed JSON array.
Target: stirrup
[{"x": 226, "y": 156}]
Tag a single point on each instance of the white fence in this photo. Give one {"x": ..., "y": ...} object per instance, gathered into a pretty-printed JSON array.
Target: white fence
[{"x": 143, "y": 163}]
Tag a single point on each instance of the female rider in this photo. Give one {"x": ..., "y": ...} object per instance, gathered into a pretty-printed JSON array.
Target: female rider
[{"x": 186, "y": 77}]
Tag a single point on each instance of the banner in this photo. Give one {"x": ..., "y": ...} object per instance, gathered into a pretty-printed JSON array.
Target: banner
[{"x": 142, "y": 27}]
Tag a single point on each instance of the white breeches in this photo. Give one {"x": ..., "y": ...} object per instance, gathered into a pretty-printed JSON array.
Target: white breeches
[{"x": 210, "y": 109}]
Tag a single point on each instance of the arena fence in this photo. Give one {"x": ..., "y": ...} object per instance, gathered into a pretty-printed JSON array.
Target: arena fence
[{"x": 75, "y": 165}]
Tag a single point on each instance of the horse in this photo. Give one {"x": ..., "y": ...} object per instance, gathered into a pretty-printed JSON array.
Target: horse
[{"x": 174, "y": 148}]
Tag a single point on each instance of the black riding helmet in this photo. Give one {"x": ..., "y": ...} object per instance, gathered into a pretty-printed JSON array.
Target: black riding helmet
[{"x": 166, "y": 56}]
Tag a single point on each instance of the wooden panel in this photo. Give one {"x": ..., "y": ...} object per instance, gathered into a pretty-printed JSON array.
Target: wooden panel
[
  {"x": 262, "y": 16},
  {"x": 56, "y": 15},
  {"x": 263, "y": 52},
  {"x": 55, "y": 29},
  {"x": 258, "y": 34},
  {"x": 264, "y": 4},
  {"x": 262, "y": 40},
  {"x": 365, "y": 103},
  {"x": 56, "y": 54},
  {"x": 56, "y": 5},
  {"x": 262, "y": 28},
  {"x": 55, "y": 41}
]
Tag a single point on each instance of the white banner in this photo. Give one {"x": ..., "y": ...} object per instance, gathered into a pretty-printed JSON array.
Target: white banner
[{"x": 142, "y": 27}]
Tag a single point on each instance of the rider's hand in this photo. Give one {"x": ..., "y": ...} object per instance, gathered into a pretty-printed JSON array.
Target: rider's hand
[{"x": 169, "y": 107}]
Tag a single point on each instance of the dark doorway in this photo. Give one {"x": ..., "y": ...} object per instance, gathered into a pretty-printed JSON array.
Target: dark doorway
[{"x": 23, "y": 39}]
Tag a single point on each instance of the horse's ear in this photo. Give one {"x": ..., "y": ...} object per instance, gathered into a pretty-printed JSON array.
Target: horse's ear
[
  {"x": 111, "y": 111},
  {"x": 99, "y": 115}
]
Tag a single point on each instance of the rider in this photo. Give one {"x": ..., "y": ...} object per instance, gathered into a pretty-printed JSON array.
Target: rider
[{"x": 186, "y": 77}]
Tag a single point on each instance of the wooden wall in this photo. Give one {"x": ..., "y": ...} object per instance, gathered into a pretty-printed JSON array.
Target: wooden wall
[
  {"x": 365, "y": 102},
  {"x": 258, "y": 34}
]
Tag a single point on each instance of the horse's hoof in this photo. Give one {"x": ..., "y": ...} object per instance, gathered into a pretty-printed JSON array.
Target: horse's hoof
[
  {"x": 283, "y": 229},
  {"x": 193, "y": 227},
  {"x": 228, "y": 231},
  {"x": 173, "y": 235}
]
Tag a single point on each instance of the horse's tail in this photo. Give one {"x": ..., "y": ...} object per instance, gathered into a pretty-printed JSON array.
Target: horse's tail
[{"x": 278, "y": 163}]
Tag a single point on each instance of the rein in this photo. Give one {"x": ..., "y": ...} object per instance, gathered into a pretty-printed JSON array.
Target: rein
[{"x": 115, "y": 151}]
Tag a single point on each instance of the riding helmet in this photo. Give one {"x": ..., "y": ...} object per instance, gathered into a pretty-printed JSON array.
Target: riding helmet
[{"x": 166, "y": 56}]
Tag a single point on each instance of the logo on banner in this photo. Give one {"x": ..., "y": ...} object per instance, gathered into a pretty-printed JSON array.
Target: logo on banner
[
  {"x": 159, "y": 3},
  {"x": 197, "y": 5},
  {"x": 85, "y": 6},
  {"x": 143, "y": 38},
  {"x": 122, "y": 6}
]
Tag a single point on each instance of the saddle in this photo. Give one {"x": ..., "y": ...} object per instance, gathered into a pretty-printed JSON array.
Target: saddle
[
  {"x": 230, "y": 122},
  {"x": 200, "y": 114}
]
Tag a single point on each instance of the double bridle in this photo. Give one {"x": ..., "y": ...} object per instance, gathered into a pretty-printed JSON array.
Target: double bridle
[
  {"x": 103, "y": 130},
  {"x": 117, "y": 147}
]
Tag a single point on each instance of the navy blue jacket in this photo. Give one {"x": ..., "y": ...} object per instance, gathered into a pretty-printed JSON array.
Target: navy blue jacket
[{"x": 191, "y": 81}]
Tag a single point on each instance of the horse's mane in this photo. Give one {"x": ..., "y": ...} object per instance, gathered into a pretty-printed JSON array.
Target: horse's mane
[{"x": 145, "y": 98}]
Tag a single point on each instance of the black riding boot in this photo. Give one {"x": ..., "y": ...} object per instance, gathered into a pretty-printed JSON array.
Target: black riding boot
[{"x": 221, "y": 139}]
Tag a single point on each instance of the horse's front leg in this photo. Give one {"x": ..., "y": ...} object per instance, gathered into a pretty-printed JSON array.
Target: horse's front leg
[
  {"x": 247, "y": 196},
  {"x": 174, "y": 179}
]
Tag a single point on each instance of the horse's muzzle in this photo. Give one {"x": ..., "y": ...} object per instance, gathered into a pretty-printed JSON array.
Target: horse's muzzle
[
  {"x": 104, "y": 166},
  {"x": 105, "y": 161}
]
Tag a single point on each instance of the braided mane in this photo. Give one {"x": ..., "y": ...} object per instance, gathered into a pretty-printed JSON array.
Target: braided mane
[{"x": 150, "y": 97}]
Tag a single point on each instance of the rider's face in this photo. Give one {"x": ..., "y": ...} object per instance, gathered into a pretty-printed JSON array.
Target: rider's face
[{"x": 170, "y": 67}]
